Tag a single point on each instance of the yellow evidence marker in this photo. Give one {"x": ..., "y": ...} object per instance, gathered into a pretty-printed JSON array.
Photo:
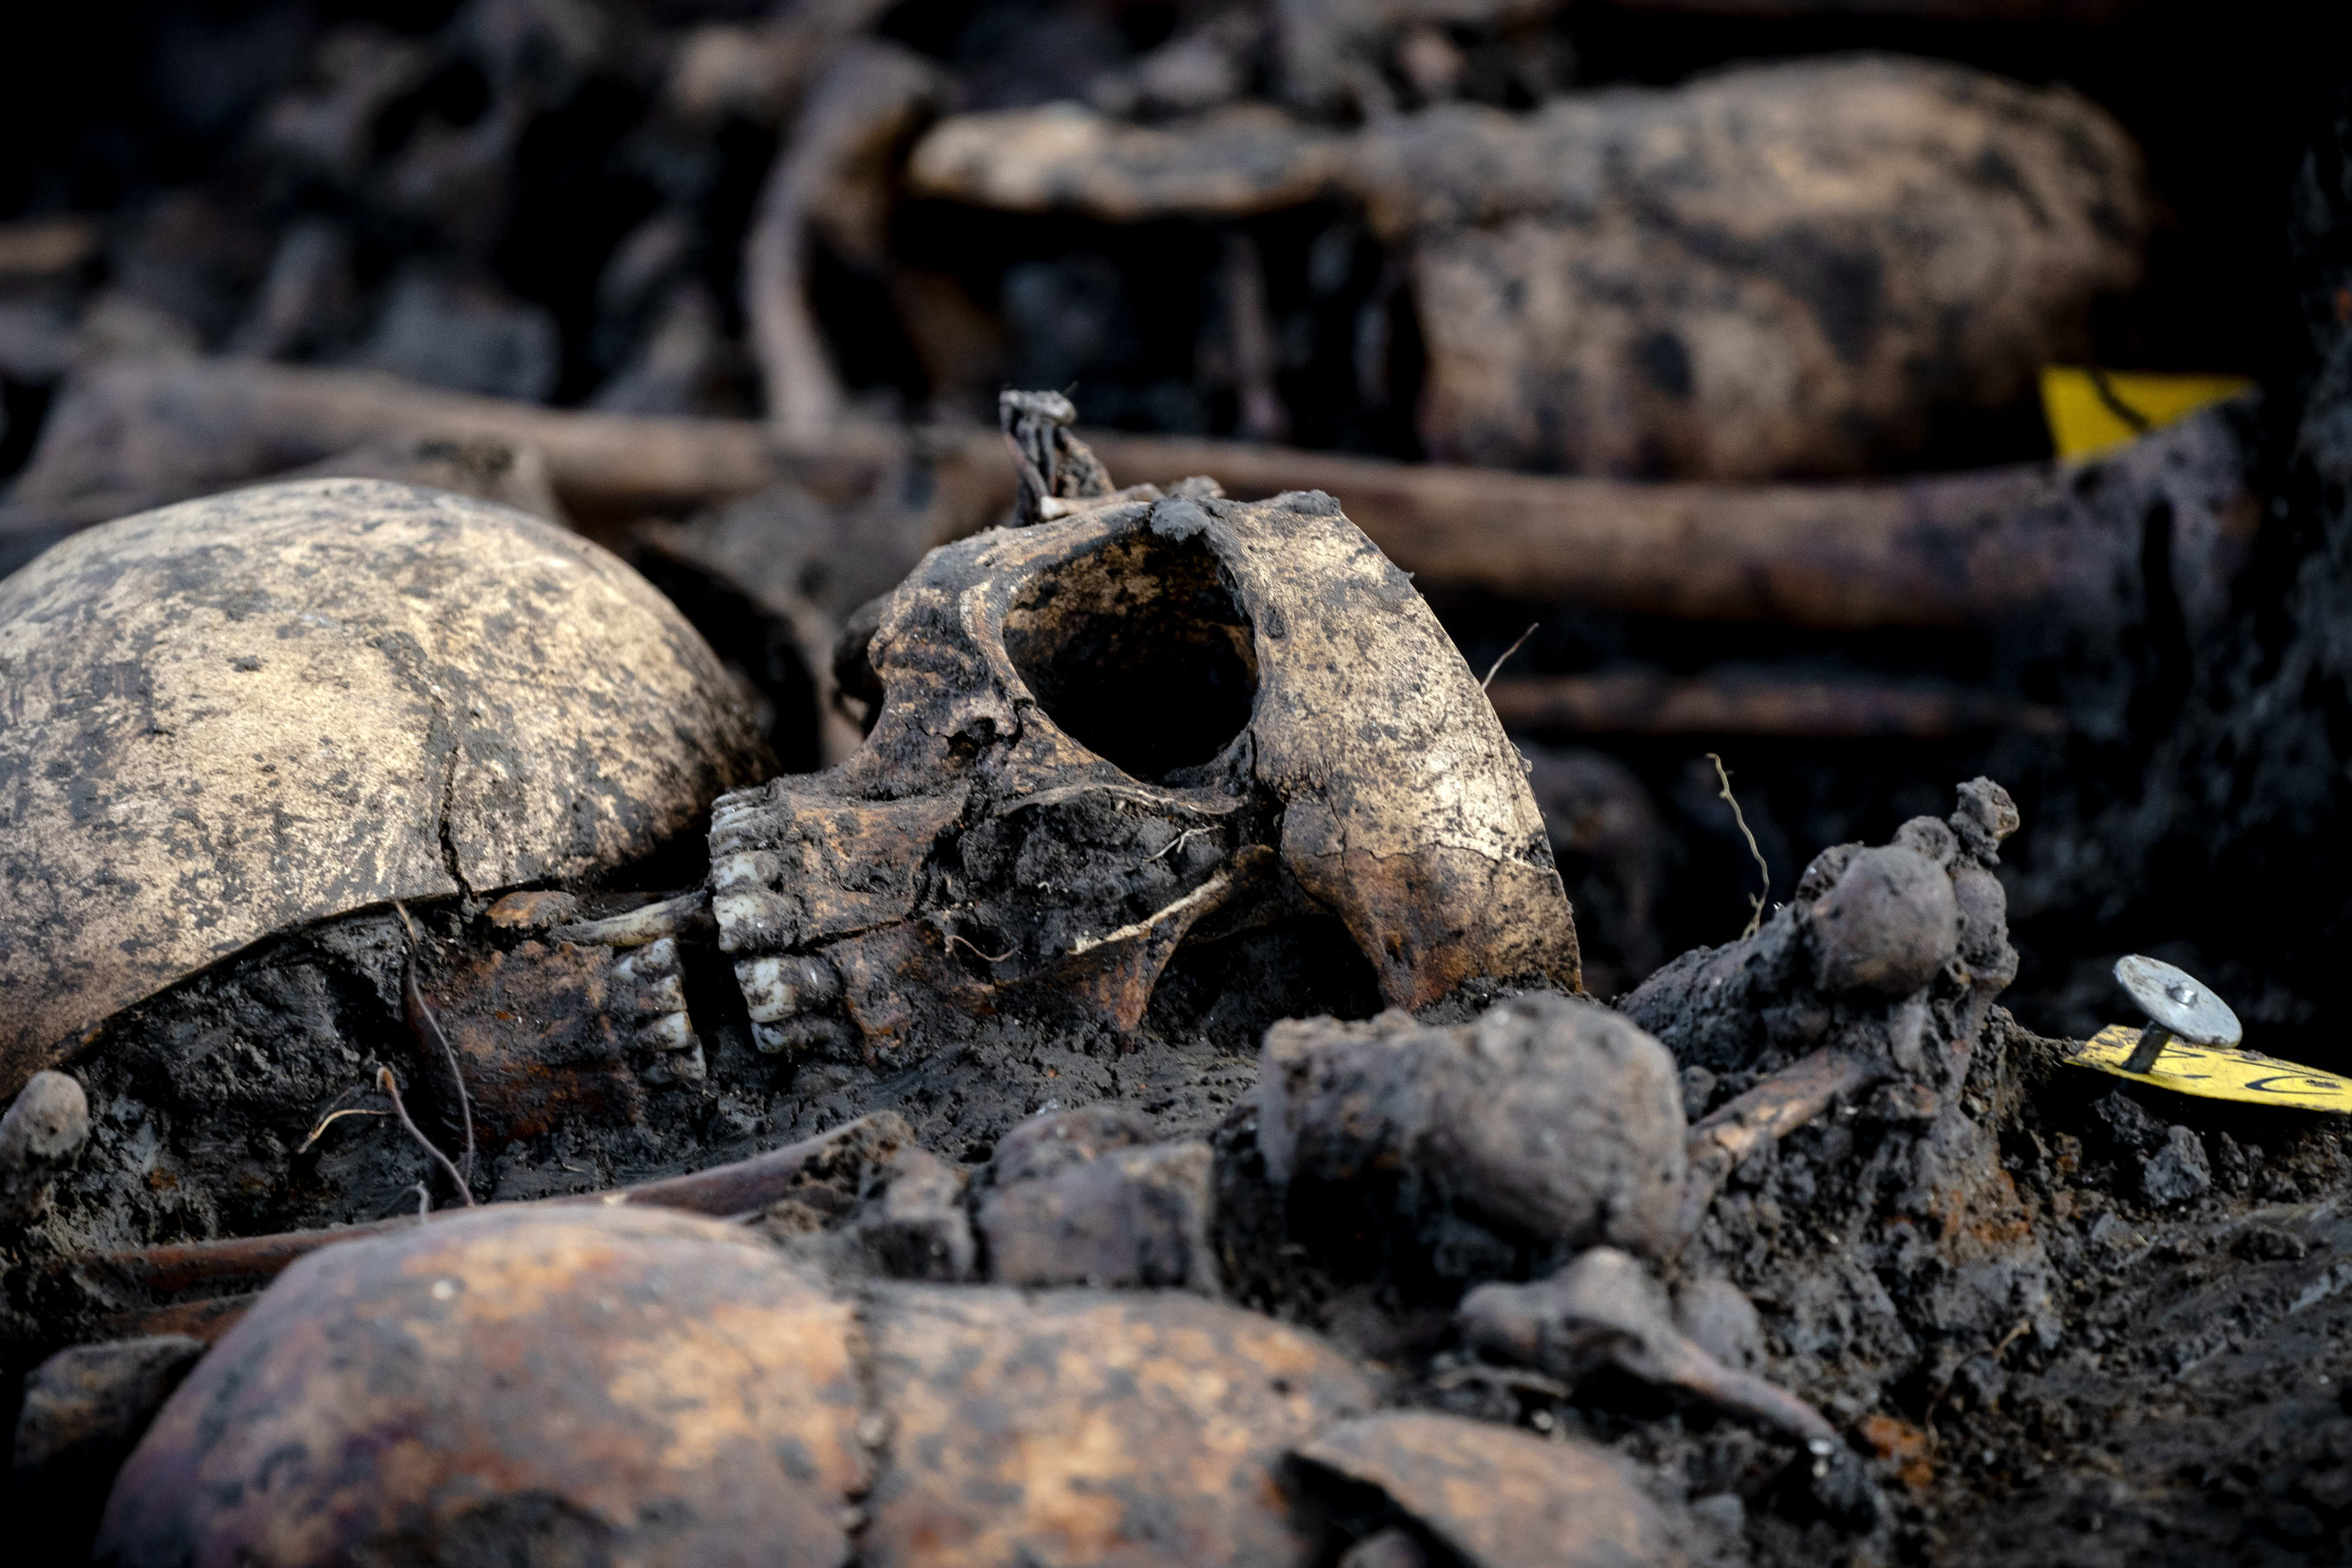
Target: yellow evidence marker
[
  {"x": 2092, "y": 411},
  {"x": 2217, "y": 1072}
]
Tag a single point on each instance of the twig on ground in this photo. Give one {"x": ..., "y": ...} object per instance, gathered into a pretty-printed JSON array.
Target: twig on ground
[
  {"x": 1755, "y": 902},
  {"x": 1519, "y": 642},
  {"x": 390, "y": 1087},
  {"x": 429, "y": 1038}
]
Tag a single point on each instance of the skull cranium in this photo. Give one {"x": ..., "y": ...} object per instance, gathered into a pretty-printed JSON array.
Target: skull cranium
[{"x": 1147, "y": 720}]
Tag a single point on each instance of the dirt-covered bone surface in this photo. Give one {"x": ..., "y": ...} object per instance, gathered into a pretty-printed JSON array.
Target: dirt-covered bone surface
[
  {"x": 1782, "y": 269},
  {"x": 237, "y": 716},
  {"x": 1145, "y": 723}
]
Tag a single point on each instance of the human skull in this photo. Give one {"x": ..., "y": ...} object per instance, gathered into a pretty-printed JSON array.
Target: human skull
[{"x": 1144, "y": 720}]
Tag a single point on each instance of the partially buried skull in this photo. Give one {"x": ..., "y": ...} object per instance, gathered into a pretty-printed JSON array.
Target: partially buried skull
[{"x": 1140, "y": 720}]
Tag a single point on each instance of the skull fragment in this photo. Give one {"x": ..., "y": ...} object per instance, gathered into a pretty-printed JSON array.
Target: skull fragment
[{"x": 1149, "y": 721}]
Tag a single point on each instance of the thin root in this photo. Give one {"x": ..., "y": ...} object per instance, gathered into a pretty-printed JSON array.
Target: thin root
[
  {"x": 390, "y": 1087},
  {"x": 1497, "y": 667},
  {"x": 332, "y": 1116},
  {"x": 955, "y": 941},
  {"x": 1755, "y": 902},
  {"x": 426, "y": 1028},
  {"x": 1174, "y": 844}
]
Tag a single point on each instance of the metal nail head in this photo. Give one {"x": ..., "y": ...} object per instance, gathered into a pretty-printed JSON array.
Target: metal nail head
[{"x": 2179, "y": 1007}]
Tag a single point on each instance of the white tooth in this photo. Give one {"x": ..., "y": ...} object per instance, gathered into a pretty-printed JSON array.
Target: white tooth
[
  {"x": 766, "y": 993},
  {"x": 746, "y": 868},
  {"x": 781, "y": 986},
  {"x": 650, "y": 962},
  {"x": 754, "y": 917},
  {"x": 795, "y": 1036},
  {"x": 666, "y": 995},
  {"x": 689, "y": 1065},
  {"x": 670, "y": 1032}
]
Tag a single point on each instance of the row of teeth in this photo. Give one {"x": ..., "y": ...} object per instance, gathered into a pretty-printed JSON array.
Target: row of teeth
[{"x": 648, "y": 986}]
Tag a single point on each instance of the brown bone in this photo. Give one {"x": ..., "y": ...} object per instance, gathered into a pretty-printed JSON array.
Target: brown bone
[
  {"x": 1098, "y": 733},
  {"x": 1945, "y": 550},
  {"x": 141, "y": 1280},
  {"x": 518, "y": 1381}
]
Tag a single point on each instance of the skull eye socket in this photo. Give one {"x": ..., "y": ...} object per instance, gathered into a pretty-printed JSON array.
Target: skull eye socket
[{"x": 1139, "y": 653}]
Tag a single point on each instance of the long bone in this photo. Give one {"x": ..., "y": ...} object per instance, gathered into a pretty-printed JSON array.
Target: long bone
[{"x": 140, "y": 1280}]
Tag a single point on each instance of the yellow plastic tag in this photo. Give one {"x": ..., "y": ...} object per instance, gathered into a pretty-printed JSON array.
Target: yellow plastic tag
[
  {"x": 2093, "y": 411},
  {"x": 2216, "y": 1072}
]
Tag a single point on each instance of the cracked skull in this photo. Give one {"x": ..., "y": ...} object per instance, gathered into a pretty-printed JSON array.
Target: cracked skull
[
  {"x": 238, "y": 716},
  {"x": 1140, "y": 721}
]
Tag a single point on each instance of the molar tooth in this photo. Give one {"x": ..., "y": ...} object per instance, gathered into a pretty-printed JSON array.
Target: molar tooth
[
  {"x": 795, "y": 1036},
  {"x": 670, "y": 1032},
  {"x": 753, "y": 918},
  {"x": 665, "y": 994},
  {"x": 784, "y": 986},
  {"x": 745, "y": 869},
  {"x": 649, "y": 963}
]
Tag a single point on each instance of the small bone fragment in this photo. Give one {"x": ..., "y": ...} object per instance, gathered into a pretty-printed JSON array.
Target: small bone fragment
[
  {"x": 1985, "y": 816},
  {"x": 1605, "y": 1309},
  {"x": 1501, "y": 1498},
  {"x": 533, "y": 910},
  {"x": 1048, "y": 462},
  {"x": 1775, "y": 1107},
  {"x": 45, "y": 1127},
  {"x": 640, "y": 927}
]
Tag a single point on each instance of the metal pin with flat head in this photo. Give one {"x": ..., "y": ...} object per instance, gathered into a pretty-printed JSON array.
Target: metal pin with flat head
[{"x": 2179, "y": 1008}]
